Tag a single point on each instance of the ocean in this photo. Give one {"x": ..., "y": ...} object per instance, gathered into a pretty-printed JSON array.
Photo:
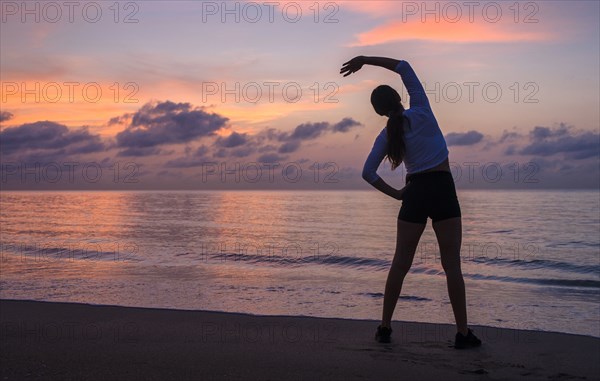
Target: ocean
[{"x": 530, "y": 259}]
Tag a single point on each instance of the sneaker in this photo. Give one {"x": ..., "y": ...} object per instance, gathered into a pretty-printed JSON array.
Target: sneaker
[
  {"x": 469, "y": 341},
  {"x": 383, "y": 334}
]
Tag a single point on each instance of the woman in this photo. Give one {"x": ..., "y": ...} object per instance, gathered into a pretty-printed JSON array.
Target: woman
[{"x": 413, "y": 136}]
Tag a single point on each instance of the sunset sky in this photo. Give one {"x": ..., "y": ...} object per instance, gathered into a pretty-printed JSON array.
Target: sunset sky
[{"x": 188, "y": 88}]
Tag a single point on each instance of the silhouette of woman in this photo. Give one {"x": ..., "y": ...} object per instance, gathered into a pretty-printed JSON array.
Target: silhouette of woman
[{"x": 413, "y": 136}]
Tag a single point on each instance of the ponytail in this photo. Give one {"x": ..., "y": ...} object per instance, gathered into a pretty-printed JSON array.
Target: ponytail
[
  {"x": 395, "y": 137},
  {"x": 386, "y": 101}
]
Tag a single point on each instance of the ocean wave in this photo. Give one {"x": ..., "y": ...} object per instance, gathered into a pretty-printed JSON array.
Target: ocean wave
[
  {"x": 539, "y": 264},
  {"x": 344, "y": 261},
  {"x": 379, "y": 295},
  {"x": 586, "y": 283},
  {"x": 59, "y": 253},
  {"x": 41, "y": 253}
]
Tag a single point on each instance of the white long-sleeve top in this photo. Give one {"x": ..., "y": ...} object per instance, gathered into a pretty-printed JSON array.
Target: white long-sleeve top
[{"x": 423, "y": 139}]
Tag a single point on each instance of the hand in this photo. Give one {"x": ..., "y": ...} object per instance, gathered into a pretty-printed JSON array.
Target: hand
[
  {"x": 400, "y": 193},
  {"x": 352, "y": 66}
]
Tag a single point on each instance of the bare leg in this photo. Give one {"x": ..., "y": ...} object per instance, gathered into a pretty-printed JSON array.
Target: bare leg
[
  {"x": 407, "y": 239},
  {"x": 449, "y": 236}
]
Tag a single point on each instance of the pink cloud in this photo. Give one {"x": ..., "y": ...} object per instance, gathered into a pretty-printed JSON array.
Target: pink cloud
[{"x": 461, "y": 32}]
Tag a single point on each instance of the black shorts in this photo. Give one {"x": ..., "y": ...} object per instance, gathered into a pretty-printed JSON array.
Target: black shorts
[{"x": 429, "y": 194}]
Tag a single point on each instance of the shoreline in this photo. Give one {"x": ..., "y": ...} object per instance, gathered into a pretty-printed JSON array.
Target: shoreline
[
  {"x": 249, "y": 314},
  {"x": 56, "y": 340}
]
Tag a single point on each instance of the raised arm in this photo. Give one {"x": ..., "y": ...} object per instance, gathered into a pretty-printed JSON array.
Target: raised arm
[
  {"x": 356, "y": 63},
  {"x": 418, "y": 97}
]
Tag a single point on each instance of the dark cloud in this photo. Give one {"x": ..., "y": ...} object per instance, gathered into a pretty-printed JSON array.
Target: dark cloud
[
  {"x": 269, "y": 133},
  {"x": 509, "y": 136},
  {"x": 89, "y": 147},
  {"x": 463, "y": 138},
  {"x": 119, "y": 119},
  {"x": 232, "y": 140},
  {"x": 266, "y": 148},
  {"x": 271, "y": 158},
  {"x": 238, "y": 145},
  {"x": 192, "y": 159},
  {"x": 545, "y": 141},
  {"x": 201, "y": 151},
  {"x": 187, "y": 162},
  {"x": 307, "y": 131},
  {"x": 154, "y": 128},
  {"x": 33, "y": 158},
  {"x": 345, "y": 125},
  {"x": 48, "y": 135},
  {"x": 542, "y": 133},
  {"x": 168, "y": 123},
  {"x": 289, "y": 147},
  {"x": 221, "y": 153},
  {"x": 168, "y": 174},
  {"x": 5, "y": 115},
  {"x": 243, "y": 151},
  {"x": 139, "y": 151},
  {"x": 510, "y": 150}
]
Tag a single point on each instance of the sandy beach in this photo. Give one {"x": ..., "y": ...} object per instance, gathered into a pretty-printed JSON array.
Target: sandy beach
[{"x": 47, "y": 340}]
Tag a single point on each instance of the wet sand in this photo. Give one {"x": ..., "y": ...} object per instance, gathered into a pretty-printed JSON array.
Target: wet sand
[{"x": 48, "y": 340}]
